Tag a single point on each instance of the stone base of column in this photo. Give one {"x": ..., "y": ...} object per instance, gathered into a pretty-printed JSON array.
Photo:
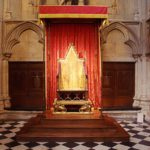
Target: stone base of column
[
  {"x": 7, "y": 103},
  {"x": 1, "y": 105},
  {"x": 136, "y": 103},
  {"x": 147, "y": 118},
  {"x": 144, "y": 98},
  {"x": 145, "y": 105}
]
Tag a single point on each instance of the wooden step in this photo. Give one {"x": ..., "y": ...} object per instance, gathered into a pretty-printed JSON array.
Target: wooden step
[
  {"x": 69, "y": 135},
  {"x": 66, "y": 128},
  {"x": 72, "y": 130},
  {"x": 76, "y": 134},
  {"x": 73, "y": 124}
]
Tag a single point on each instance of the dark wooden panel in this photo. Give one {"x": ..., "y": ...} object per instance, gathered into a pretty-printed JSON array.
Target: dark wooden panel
[
  {"x": 26, "y": 85},
  {"x": 118, "y": 84}
]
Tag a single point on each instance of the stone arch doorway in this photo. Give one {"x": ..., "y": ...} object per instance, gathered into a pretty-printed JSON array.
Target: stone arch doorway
[
  {"x": 24, "y": 67},
  {"x": 120, "y": 53}
]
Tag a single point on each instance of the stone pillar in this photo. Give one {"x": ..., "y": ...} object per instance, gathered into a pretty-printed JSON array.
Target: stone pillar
[
  {"x": 148, "y": 89},
  {"x": 144, "y": 79},
  {"x": 145, "y": 99},
  {"x": 1, "y": 97},
  {"x": 137, "y": 82},
  {"x": 148, "y": 75},
  {"x": 5, "y": 83},
  {"x": 141, "y": 98},
  {"x": 139, "y": 78},
  {"x": 1, "y": 34}
]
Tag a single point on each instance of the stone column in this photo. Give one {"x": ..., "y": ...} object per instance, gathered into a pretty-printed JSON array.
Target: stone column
[
  {"x": 144, "y": 79},
  {"x": 148, "y": 89},
  {"x": 5, "y": 83},
  {"x": 1, "y": 34},
  {"x": 137, "y": 81},
  {"x": 148, "y": 75},
  {"x": 1, "y": 97},
  {"x": 139, "y": 78},
  {"x": 145, "y": 100}
]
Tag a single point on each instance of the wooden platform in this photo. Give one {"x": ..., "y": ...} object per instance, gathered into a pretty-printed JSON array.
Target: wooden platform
[{"x": 72, "y": 127}]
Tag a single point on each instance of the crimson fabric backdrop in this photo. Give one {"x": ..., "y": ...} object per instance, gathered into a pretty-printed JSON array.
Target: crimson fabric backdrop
[{"x": 84, "y": 36}]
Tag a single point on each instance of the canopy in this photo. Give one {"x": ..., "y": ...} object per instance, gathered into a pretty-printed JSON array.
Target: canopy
[{"x": 90, "y": 12}]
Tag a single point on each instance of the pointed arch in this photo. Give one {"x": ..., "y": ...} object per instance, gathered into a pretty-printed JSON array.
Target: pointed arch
[
  {"x": 130, "y": 38},
  {"x": 13, "y": 36}
]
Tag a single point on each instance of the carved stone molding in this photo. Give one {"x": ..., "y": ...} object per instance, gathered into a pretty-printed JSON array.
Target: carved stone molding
[
  {"x": 137, "y": 56},
  {"x": 13, "y": 36},
  {"x": 130, "y": 38}
]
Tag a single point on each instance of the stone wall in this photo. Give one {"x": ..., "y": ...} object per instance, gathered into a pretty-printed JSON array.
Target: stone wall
[
  {"x": 128, "y": 39},
  {"x": 118, "y": 9}
]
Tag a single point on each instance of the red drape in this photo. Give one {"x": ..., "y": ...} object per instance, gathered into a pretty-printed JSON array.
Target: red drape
[{"x": 85, "y": 39}]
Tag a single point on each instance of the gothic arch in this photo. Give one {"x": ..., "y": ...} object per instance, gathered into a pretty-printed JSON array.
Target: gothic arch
[
  {"x": 130, "y": 38},
  {"x": 12, "y": 37}
]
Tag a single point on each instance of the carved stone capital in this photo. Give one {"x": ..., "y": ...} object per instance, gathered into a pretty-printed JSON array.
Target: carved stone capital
[
  {"x": 6, "y": 56},
  {"x": 136, "y": 56}
]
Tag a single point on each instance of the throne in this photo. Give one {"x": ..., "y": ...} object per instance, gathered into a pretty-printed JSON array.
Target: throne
[{"x": 72, "y": 92}]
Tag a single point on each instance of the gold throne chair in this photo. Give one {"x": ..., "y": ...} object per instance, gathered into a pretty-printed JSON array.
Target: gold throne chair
[{"x": 72, "y": 91}]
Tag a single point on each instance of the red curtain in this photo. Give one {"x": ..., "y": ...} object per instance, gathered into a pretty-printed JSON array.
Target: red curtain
[{"x": 85, "y": 39}]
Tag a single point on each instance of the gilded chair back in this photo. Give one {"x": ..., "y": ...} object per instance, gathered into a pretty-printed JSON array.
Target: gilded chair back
[{"x": 72, "y": 75}]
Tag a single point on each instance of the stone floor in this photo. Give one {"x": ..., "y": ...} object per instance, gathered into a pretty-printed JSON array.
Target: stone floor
[{"x": 139, "y": 132}]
